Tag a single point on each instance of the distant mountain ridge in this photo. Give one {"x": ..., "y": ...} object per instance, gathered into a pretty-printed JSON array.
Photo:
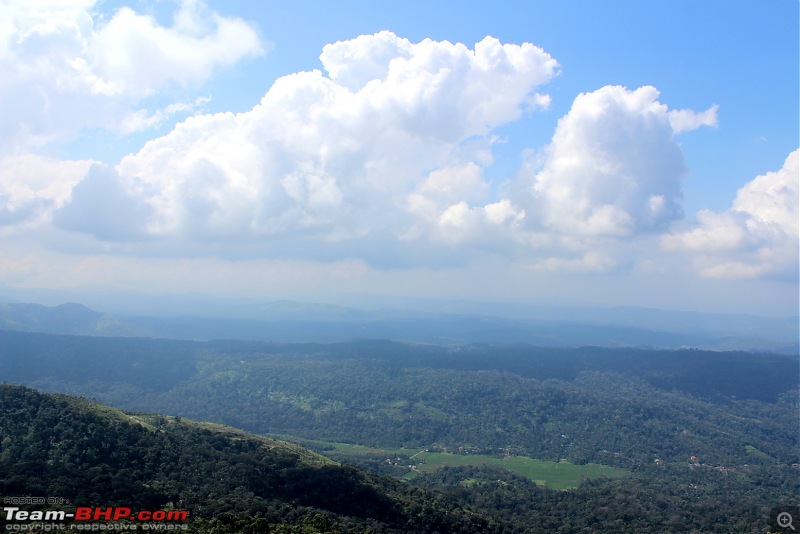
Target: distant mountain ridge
[
  {"x": 68, "y": 318},
  {"x": 289, "y": 321}
]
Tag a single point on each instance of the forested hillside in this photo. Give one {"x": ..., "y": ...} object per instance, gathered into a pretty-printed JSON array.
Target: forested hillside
[
  {"x": 91, "y": 455},
  {"x": 709, "y": 439}
]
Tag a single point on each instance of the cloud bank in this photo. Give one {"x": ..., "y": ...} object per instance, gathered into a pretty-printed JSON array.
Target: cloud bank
[
  {"x": 381, "y": 157},
  {"x": 389, "y": 148}
]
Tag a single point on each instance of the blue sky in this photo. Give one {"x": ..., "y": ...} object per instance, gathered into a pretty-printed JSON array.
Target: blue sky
[{"x": 608, "y": 153}]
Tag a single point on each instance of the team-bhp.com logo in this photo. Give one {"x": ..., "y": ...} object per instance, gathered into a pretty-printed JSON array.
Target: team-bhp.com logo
[{"x": 95, "y": 518}]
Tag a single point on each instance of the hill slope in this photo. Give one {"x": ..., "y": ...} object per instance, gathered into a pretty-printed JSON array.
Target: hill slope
[{"x": 93, "y": 455}]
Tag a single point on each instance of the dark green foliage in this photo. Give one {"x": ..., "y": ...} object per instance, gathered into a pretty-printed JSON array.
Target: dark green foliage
[
  {"x": 61, "y": 446},
  {"x": 672, "y": 499}
]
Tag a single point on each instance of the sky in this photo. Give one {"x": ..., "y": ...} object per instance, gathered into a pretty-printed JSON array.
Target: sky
[{"x": 617, "y": 153}]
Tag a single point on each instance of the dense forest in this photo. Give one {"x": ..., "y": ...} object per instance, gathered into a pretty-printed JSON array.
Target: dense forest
[{"x": 709, "y": 438}]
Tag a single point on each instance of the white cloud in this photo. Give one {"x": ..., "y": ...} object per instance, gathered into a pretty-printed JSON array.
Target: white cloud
[
  {"x": 442, "y": 87},
  {"x": 757, "y": 237},
  {"x": 387, "y": 152},
  {"x": 66, "y": 68},
  {"x": 356, "y": 62},
  {"x": 613, "y": 167},
  {"x": 384, "y": 161},
  {"x": 133, "y": 55},
  {"x": 610, "y": 178},
  {"x": 683, "y": 120}
]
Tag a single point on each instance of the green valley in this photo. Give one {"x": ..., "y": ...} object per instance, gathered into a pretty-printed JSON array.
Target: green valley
[
  {"x": 593, "y": 438},
  {"x": 554, "y": 475}
]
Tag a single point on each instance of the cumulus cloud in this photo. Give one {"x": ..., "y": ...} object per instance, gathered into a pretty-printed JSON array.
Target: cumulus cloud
[
  {"x": 613, "y": 167},
  {"x": 388, "y": 148},
  {"x": 757, "y": 237},
  {"x": 66, "y": 68},
  {"x": 383, "y": 156},
  {"x": 442, "y": 87}
]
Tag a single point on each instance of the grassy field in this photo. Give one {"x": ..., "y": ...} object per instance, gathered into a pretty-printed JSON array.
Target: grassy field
[{"x": 555, "y": 475}]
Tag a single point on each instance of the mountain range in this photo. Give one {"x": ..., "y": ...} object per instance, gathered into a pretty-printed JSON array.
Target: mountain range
[{"x": 445, "y": 323}]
